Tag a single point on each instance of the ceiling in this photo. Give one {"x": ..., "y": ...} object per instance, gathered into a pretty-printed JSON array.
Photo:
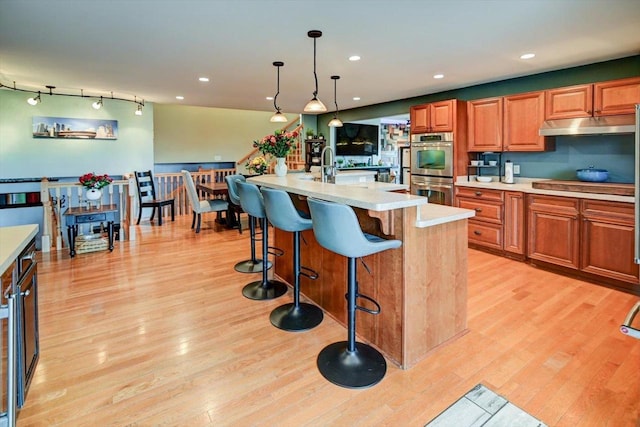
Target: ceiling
[{"x": 157, "y": 49}]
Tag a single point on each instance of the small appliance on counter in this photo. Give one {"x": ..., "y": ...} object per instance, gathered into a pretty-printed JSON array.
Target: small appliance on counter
[{"x": 508, "y": 172}]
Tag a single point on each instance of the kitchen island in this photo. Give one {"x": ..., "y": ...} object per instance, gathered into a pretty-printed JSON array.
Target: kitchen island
[{"x": 421, "y": 286}]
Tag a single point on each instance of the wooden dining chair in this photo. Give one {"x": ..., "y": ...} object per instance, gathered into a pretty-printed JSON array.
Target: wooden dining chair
[{"x": 147, "y": 197}]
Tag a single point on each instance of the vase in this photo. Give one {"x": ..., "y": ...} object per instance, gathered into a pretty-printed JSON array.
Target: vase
[
  {"x": 281, "y": 166},
  {"x": 94, "y": 194}
]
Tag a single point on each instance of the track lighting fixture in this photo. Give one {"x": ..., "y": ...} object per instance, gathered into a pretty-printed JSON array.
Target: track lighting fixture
[
  {"x": 277, "y": 117},
  {"x": 335, "y": 122},
  {"x": 34, "y": 100},
  {"x": 98, "y": 104},
  {"x": 315, "y": 105}
]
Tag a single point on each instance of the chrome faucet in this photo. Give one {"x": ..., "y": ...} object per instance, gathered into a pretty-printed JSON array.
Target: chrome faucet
[{"x": 331, "y": 176}]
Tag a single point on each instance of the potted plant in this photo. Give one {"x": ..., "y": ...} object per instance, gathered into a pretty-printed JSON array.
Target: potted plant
[
  {"x": 320, "y": 136},
  {"x": 309, "y": 133}
]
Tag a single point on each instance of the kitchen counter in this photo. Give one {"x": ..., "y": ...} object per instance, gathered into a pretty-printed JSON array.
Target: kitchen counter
[
  {"x": 421, "y": 287},
  {"x": 524, "y": 185},
  {"x": 374, "y": 196},
  {"x": 13, "y": 240}
]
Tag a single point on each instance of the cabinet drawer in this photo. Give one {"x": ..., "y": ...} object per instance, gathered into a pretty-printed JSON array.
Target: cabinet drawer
[
  {"x": 479, "y": 193},
  {"x": 614, "y": 211},
  {"x": 485, "y": 234},
  {"x": 81, "y": 219},
  {"x": 485, "y": 210}
]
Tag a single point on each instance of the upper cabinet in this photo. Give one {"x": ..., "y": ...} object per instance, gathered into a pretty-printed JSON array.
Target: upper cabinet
[
  {"x": 597, "y": 99},
  {"x": 523, "y": 114},
  {"x": 485, "y": 124},
  {"x": 434, "y": 117},
  {"x": 509, "y": 123}
]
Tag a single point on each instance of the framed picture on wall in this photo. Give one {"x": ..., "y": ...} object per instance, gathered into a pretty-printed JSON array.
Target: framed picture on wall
[{"x": 64, "y": 127}]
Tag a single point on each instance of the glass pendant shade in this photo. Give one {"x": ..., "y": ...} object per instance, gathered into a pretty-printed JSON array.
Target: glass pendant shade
[
  {"x": 315, "y": 106},
  {"x": 335, "y": 122},
  {"x": 278, "y": 117}
]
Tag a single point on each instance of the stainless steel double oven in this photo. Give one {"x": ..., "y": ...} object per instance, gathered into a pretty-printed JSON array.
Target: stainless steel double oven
[{"x": 432, "y": 166}]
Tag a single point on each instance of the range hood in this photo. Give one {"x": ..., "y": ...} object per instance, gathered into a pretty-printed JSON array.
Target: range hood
[{"x": 590, "y": 126}]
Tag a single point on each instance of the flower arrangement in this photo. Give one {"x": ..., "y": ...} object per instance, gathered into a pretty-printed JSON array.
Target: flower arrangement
[
  {"x": 91, "y": 180},
  {"x": 257, "y": 165},
  {"x": 278, "y": 145}
]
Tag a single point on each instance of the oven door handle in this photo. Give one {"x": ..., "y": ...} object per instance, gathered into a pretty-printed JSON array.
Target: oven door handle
[{"x": 433, "y": 186}]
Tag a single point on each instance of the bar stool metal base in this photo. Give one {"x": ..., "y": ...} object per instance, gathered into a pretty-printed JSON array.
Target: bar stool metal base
[
  {"x": 251, "y": 266},
  {"x": 361, "y": 368},
  {"x": 288, "y": 317},
  {"x": 259, "y": 290}
]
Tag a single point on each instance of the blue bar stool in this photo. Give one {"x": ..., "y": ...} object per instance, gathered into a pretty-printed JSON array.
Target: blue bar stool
[
  {"x": 296, "y": 316},
  {"x": 252, "y": 265},
  {"x": 349, "y": 363},
  {"x": 253, "y": 204}
]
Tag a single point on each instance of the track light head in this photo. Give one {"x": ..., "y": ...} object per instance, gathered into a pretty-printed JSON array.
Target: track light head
[
  {"x": 34, "y": 100},
  {"x": 98, "y": 104}
]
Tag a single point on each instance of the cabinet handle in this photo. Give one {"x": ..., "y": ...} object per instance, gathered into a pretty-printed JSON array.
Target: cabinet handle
[
  {"x": 589, "y": 112},
  {"x": 598, "y": 111},
  {"x": 477, "y": 233},
  {"x": 478, "y": 193},
  {"x": 478, "y": 209}
]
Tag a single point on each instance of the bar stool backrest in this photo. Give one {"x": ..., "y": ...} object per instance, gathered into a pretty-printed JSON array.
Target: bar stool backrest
[
  {"x": 281, "y": 211},
  {"x": 232, "y": 187},
  {"x": 251, "y": 199}
]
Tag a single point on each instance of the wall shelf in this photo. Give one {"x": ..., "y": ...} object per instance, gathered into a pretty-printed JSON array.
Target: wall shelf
[{"x": 485, "y": 157}]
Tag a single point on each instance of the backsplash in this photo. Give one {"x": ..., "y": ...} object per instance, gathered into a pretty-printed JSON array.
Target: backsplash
[{"x": 614, "y": 153}]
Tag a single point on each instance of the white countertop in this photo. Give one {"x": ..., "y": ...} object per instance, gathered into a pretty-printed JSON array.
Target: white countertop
[
  {"x": 524, "y": 185},
  {"x": 12, "y": 241},
  {"x": 375, "y": 196}
]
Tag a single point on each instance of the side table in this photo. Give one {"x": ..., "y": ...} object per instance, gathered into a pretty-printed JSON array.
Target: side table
[{"x": 79, "y": 215}]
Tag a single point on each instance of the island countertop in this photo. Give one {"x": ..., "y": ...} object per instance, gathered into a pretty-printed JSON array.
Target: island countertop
[
  {"x": 13, "y": 240},
  {"x": 374, "y": 196}
]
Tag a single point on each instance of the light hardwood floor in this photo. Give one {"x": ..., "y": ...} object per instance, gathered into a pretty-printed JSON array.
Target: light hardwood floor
[{"x": 158, "y": 333}]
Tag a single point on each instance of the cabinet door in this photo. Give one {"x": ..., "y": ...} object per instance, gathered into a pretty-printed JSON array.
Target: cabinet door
[
  {"x": 616, "y": 97},
  {"x": 419, "y": 118},
  {"x": 441, "y": 116},
  {"x": 553, "y": 230},
  {"x": 485, "y": 124},
  {"x": 514, "y": 222},
  {"x": 523, "y": 116},
  {"x": 569, "y": 102},
  {"x": 607, "y": 240}
]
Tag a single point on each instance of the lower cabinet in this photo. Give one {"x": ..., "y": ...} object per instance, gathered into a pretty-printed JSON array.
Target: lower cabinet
[
  {"x": 499, "y": 220},
  {"x": 589, "y": 236}
]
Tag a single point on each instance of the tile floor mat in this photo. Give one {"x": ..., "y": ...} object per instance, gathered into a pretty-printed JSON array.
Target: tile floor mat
[{"x": 482, "y": 407}]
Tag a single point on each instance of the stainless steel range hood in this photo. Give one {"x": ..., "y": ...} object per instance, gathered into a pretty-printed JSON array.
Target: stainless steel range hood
[{"x": 590, "y": 126}]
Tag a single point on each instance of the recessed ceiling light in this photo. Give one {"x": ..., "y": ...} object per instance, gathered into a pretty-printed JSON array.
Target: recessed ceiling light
[
  {"x": 179, "y": 97},
  {"x": 204, "y": 79},
  {"x": 356, "y": 98},
  {"x": 527, "y": 56},
  {"x": 438, "y": 76},
  {"x": 269, "y": 98},
  {"x": 354, "y": 58}
]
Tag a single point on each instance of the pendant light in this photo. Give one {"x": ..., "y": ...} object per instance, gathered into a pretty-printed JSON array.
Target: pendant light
[
  {"x": 278, "y": 117},
  {"x": 335, "y": 122},
  {"x": 315, "y": 105}
]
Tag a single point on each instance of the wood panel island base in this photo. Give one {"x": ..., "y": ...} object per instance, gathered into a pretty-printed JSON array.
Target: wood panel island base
[{"x": 421, "y": 286}]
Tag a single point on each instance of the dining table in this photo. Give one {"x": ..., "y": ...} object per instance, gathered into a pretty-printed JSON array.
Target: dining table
[{"x": 219, "y": 190}]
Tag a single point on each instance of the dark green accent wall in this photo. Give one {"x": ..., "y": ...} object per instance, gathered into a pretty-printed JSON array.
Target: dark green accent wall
[{"x": 601, "y": 71}]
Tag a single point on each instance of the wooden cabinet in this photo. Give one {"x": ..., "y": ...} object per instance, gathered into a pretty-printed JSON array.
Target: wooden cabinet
[
  {"x": 485, "y": 228},
  {"x": 597, "y": 99},
  {"x": 523, "y": 115},
  {"x": 434, "y": 117},
  {"x": 607, "y": 240},
  {"x": 485, "y": 124},
  {"x": 616, "y": 96},
  {"x": 591, "y": 236},
  {"x": 553, "y": 224},
  {"x": 514, "y": 222},
  {"x": 510, "y": 123}
]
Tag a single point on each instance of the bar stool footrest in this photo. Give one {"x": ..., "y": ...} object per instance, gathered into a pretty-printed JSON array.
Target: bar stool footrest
[
  {"x": 275, "y": 251},
  {"x": 361, "y": 368},
  {"x": 262, "y": 291},
  {"x": 288, "y": 317},
  {"x": 308, "y": 272},
  {"x": 251, "y": 266}
]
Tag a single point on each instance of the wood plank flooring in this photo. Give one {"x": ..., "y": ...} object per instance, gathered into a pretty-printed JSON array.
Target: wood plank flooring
[{"x": 158, "y": 333}]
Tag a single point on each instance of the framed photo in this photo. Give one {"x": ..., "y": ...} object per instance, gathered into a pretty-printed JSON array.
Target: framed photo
[{"x": 64, "y": 127}]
